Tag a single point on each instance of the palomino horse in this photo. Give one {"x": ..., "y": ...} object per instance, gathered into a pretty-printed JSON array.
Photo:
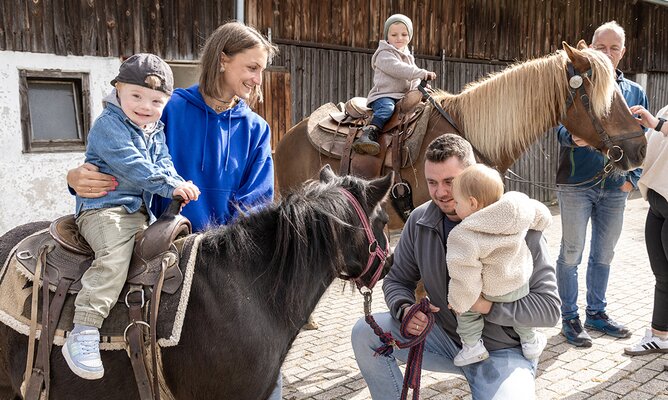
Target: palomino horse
[
  {"x": 502, "y": 115},
  {"x": 255, "y": 283}
]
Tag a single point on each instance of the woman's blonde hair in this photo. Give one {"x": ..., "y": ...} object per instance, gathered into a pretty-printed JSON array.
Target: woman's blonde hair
[
  {"x": 480, "y": 182},
  {"x": 229, "y": 39}
]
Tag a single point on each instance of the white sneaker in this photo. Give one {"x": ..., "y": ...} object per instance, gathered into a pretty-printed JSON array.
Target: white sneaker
[
  {"x": 82, "y": 353},
  {"x": 533, "y": 350},
  {"x": 648, "y": 344},
  {"x": 471, "y": 354}
]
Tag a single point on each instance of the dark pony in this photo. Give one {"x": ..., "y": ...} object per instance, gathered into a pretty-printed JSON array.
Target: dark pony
[{"x": 256, "y": 282}]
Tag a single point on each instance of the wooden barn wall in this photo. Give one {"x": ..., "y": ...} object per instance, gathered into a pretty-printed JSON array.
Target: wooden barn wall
[
  {"x": 320, "y": 76},
  {"x": 657, "y": 93},
  {"x": 505, "y": 30},
  {"x": 174, "y": 29}
]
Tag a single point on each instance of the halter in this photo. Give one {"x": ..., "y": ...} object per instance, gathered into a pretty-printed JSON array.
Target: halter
[
  {"x": 375, "y": 251},
  {"x": 614, "y": 153},
  {"x": 576, "y": 87}
]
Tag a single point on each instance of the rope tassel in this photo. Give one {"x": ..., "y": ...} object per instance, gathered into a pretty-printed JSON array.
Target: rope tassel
[{"x": 416, "y": 344}]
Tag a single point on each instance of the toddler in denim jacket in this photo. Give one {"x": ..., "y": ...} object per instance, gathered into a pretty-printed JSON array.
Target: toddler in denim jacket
[{"x": 128, "y": 142}]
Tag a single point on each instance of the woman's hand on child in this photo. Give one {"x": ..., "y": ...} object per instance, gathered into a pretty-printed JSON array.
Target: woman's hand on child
[
  {"x": 89, "y": 183},
  {"x": 188, "y": 191}
]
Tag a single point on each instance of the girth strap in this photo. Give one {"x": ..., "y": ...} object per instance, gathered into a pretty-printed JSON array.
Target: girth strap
[
  {"x": 50, "y": 316},
  {"x": 135, "y": 340}
]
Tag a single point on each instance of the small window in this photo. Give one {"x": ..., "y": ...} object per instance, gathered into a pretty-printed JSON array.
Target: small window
[{"x": 55, "y": 111}]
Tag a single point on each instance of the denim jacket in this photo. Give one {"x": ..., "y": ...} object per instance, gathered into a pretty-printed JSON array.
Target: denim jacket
[{"x": 139, "y": 161}]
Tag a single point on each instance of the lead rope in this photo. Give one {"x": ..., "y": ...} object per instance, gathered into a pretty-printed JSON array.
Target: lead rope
[{"x": 416, "y": 343}]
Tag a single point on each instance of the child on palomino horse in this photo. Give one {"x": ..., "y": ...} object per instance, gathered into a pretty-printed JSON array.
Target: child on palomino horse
[
  {"x": 128, "y": 142},
  {"x": 394, "y": 74},
  {"x": 487, "y": 256}
]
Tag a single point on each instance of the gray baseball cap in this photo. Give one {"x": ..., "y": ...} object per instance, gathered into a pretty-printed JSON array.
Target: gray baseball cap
[{"x": 140, "y": 66}]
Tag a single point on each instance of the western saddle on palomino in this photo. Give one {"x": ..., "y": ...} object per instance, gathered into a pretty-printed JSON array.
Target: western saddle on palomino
[
  {"x": 59, "y": 258},
  {"x": 332, "y": 129}
]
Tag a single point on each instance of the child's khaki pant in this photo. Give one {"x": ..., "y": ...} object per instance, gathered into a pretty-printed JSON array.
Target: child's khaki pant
[{"x": 111, "y": 234}]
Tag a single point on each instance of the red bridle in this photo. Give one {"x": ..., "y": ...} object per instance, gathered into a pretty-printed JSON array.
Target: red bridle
[{"x": 375, "y": 251}]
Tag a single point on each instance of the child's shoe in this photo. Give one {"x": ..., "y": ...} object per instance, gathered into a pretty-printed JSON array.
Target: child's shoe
[
  {"x": 648, "y": 344},
  {"x": 368, "y": 142},
  {"x": 532, "y": 350},
  {"x": 471, "y": 354},
  {"x": 82, "y": 353}
]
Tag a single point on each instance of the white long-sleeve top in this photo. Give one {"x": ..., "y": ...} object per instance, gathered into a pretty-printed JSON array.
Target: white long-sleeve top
[{"x": 655, "y": 166}]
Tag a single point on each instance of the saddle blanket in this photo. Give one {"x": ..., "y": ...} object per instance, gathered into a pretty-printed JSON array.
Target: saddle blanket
[{"x": 16, "y": 298}]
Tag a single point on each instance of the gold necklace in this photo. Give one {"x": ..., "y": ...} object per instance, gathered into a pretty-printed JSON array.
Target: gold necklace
[{"x": 226, "y": 104}]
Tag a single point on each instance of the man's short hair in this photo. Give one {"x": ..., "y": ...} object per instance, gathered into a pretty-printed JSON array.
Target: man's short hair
[
  {"x": 450, "y": 145},
  {"x": 610, "y": 26}
]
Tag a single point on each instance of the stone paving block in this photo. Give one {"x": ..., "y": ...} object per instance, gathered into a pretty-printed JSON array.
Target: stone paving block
[{"x": 623, "y": 386}]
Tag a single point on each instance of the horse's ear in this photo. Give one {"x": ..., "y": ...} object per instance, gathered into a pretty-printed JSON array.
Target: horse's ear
[
  {"x": 326, "y": 174},
  {"x": 582, "y": 45},
  {"x": 378, "y": 189},
  {"x": 579, "y": 60},
  {"x": 568, "y": 49}
]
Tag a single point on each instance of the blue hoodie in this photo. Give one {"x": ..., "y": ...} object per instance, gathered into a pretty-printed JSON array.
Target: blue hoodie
[{"x": 227, "y": 155}]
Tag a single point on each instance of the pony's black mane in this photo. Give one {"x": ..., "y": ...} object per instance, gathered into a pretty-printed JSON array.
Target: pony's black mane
[{"x": 303, "y": 241}]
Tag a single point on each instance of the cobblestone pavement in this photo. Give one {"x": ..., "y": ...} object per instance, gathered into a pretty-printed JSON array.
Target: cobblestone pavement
[{"x": 321, "y": 364}]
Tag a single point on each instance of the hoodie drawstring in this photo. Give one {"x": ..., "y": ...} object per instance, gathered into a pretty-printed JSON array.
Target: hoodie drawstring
[
  {"x": 229, "y": 138},
  {"x": 206, "y": 133}
]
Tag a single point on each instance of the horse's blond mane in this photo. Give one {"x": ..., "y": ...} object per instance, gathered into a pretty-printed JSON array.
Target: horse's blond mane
[{"x": 503, "y": 114}]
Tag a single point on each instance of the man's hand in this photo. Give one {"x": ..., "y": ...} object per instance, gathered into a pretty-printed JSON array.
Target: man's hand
[
  {"x": 419, "y": 321},
  {"x": 626, "y": 187},
  {"x": 482, "y": 305},
  {"x": 88, "y": 182},
  {"x": 578, "y": 141}
]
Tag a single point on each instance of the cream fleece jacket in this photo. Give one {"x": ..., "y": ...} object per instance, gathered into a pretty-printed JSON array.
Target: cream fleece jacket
[
  {"x": 394, "y": 72},
  {"x": 655, "y": 166},
  {"x": 487, "y": 252}
]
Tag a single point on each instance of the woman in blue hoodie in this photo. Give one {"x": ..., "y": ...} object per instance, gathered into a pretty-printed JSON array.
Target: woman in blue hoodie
[{"x": 214, "y": 138}]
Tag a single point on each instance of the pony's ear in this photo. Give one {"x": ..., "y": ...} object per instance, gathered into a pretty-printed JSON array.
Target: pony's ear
[
  {"x": 582, "y": 45},
  {"x": 579, "y": 60},
  {"x": 378, "y": 189},
  {"x": 326, "y": 174}
]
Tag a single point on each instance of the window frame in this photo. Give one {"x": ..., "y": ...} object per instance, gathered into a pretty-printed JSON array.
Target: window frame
[{"x": 80, "y": 82}]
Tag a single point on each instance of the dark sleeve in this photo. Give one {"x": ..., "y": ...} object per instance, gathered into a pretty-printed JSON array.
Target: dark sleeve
[{"x": 399, "y": 284}]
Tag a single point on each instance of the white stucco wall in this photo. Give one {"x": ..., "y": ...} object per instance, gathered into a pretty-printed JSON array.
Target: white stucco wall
[{"x": 33, "y": 185}]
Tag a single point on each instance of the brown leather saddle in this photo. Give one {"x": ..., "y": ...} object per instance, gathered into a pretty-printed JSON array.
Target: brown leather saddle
[
  {"x": 332, "y": 130},
  {"x": 58, "y": 259}
]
